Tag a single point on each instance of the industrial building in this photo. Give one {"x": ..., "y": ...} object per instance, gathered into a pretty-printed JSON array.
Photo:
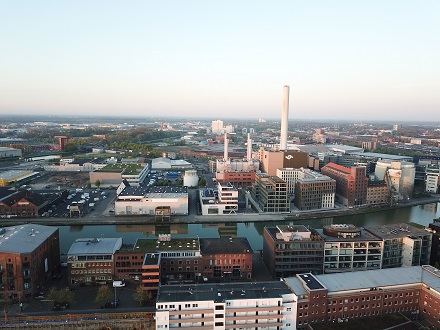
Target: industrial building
[
  {"x": 6, "y": 152},
  {"x": 29, "y": 257},
  {"x": 114, "y": 174},
  {"x": 158, "y": 201},
  {"x": 399, "y": 175}
]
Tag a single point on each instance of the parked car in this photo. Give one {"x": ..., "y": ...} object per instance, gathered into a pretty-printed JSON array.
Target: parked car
[
  {"x": 111, "y": 304},
  {"x": 60, "y": 307},
  {"x": 118, "y": 284}
]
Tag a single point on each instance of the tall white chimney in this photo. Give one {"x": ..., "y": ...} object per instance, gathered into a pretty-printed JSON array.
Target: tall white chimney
[
  {"x": 285, "y": 119},
  {"x": 249, "y": 147},
  {"x": 225, "y": 154}
]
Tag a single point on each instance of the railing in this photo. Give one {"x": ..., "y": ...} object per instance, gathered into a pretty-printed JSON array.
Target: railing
[{"x": 68, "y": 318}]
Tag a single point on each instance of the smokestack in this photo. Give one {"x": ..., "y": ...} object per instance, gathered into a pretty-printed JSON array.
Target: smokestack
[
  {"x": 249, "y": 147},
  {"x": 285, "y": 119},
  {"x": 225, "y": 155}
]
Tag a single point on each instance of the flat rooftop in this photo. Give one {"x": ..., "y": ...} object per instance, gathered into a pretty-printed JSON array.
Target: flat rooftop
[
  {"x": 397, "y": 230},
  {"x": 24, "y": 238},
  {"x": 154, "y": 192},
  {"x": 145, "y": 245},
  {"x": 311, "y": 282},
  {"x": 222, "y": 292},
  {"x": 380, "y": 278},
  {"x": 225, "y": 245},
  {"x": 95, "y": 246},
  {"x": 365, "y": 236}
]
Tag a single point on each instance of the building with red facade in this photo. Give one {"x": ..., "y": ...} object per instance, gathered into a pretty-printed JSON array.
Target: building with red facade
[
  {"x": 91, "y": 260},
  {"x": 29, "y": 257},
  {"x": 225, "y": 259},
  {"x": 351, "y": 183}
]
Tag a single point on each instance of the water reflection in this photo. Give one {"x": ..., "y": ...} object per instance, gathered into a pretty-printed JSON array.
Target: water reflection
[{"x": 422, "y": 214}]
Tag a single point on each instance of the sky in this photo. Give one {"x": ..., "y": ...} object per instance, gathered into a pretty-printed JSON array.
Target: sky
[{"x": 355, "y": 60}]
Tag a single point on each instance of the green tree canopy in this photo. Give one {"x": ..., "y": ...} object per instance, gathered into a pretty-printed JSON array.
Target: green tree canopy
[
  {"x": 141, "y": 295},
  {"x": 103, "y": 296}
]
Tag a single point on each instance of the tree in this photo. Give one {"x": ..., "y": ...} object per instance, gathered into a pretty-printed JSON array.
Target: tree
[
  {"x": 97, "y": 183},
  {"x": 202, "y": 182},
  {"x": 141, "y": 295},
  {"x": 104, "y": 295},
  {"x": 62, "y": 296}
]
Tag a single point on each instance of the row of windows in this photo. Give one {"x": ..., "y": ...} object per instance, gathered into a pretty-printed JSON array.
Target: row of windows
[{"x": 91, "y": 271}]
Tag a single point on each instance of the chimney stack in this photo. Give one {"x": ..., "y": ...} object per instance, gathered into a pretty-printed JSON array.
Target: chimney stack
[
  {"x": 225, "y": 155},
  {"x": 285, "y": 119},
  {"x": 249, "y": 147}
]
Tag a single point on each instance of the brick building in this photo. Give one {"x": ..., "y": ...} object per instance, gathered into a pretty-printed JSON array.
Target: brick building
[
  {"x": 225, "y": 259},
  {"x": 29, "y": 257},
  {"x": 91, "y": 260},
  {"x": 351, "y": 183}
]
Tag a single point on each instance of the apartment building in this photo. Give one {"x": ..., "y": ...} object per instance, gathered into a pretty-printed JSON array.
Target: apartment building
[
  {"x": 269, "y": 194},
  {"x": 403, "y": 244},
  {"x": 432, "y": 181},
  {"x": 301, "y": 301},
  {"x": 262, "y": 305},
  {"x": 289, "y": 250},
  {"x": 351, "y": 183},
  {"x": 350, "y": 248},
  {"x": 29, "y": 257}
]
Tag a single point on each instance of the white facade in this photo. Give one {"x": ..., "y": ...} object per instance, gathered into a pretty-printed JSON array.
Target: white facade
[
  {"x": 146, "y": 203},
  {"x": 219, "y": 202},
  {"x": 399, "y": 175},
  {"x": 191, "y": 179},
  {"x": 9, "y": 152},
  {"x": 432, "y": 179},
  {"x": 260, "y": 305},
  {"x": 238, "y": 165},
  {"x": 217, "y": 127}
]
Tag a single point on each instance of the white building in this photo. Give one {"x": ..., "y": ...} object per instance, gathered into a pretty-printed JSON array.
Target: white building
[
  {"x": 262, "y": 305},
  {"x": 218, "y": 128},
  {"x": 163, "y": 163},
  {"x": 222, "y": 201},
  {"x": 9, "y": 152},
  {"x": 191, "y": 179},
  {"x": 398, "y": 174},
  {"x": 432, "y": 178},
  {"x": 144, "y": 200}
]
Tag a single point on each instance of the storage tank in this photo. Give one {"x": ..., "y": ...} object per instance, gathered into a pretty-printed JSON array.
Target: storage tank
[{"x": 191, "y": 179}]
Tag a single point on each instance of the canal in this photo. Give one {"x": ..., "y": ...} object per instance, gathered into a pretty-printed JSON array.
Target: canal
[{"x": 421, "y": 214}]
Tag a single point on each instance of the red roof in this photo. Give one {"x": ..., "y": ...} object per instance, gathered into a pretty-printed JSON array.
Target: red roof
[{"x": 339, "y": 168}]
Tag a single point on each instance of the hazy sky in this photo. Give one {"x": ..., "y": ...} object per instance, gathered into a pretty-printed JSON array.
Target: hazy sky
[{"x": 361, "y": 60}]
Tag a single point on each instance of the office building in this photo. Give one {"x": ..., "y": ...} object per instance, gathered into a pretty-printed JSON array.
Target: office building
[
  {"x": 289, "y": 250},
  {"x": 269, "y": 194},
  {"x": 351, "y": 183}
]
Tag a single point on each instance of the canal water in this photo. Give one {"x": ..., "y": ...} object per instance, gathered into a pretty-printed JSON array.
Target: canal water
[{"x": 253, "y": 231}]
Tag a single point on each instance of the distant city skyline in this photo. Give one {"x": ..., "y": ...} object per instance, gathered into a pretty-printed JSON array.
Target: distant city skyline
[{"x": 360, "y": 61}]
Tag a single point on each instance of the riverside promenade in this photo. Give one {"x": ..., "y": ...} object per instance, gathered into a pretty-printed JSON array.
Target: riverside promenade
[{"x": 107, "y": 219}]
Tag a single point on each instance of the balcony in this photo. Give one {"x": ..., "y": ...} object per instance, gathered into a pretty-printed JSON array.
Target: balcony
[
  {"x": 193, "y": 311},
  {"x": 253, "y": 325},
  {"x": 253, "y": 309},
  {"x": 191, "y": 320}
]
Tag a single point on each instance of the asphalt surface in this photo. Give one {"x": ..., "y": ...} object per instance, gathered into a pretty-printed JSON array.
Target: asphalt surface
[{"x": 84, "y": 299}]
